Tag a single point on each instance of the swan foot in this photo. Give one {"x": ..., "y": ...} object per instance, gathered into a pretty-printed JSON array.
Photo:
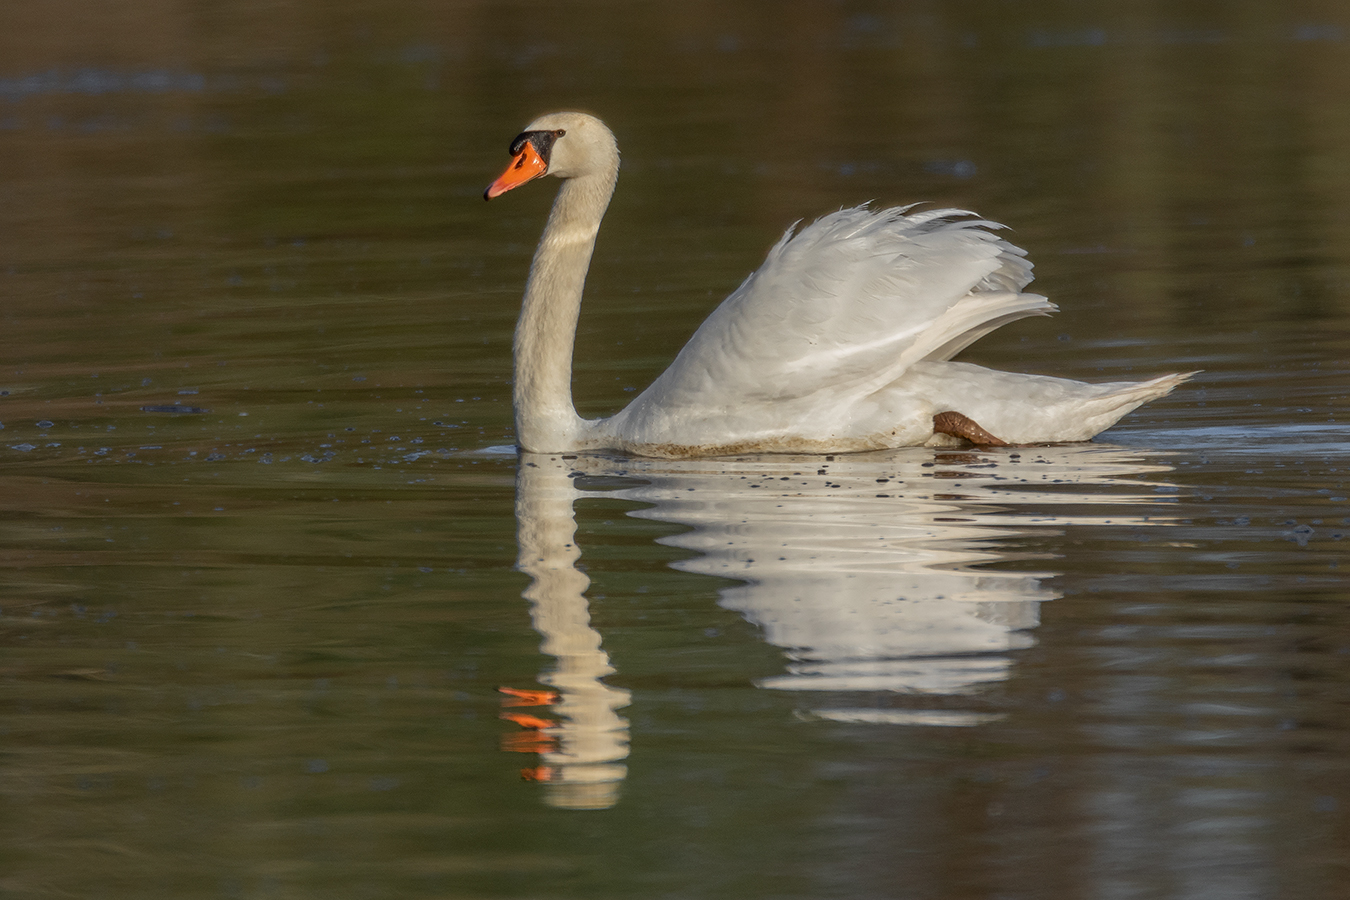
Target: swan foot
[{"x": 962, "y": 426}]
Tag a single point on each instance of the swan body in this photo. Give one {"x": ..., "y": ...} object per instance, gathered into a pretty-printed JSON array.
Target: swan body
[{"x": 841, "y": 341}]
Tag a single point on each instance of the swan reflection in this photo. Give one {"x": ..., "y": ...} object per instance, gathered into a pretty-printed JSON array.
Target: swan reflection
[
  {"x": 868, "y": 570},
  {"x": 581, "y": 753}
]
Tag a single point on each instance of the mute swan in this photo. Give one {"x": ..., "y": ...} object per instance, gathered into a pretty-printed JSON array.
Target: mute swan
[{"x": 840, "y": 342}]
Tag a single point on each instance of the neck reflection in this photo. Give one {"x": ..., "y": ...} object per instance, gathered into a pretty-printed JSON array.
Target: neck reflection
[{"x": 581, "y": 751}]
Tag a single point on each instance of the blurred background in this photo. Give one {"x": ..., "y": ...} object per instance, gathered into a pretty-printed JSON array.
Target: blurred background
[
  {"x": 294, "y": 179},
  {"x": 255, "y": 599}
]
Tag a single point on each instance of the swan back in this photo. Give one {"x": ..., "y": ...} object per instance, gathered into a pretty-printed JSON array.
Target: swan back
[{"x": 839, "y": 311}]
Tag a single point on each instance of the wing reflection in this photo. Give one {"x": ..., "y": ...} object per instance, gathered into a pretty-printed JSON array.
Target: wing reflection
[{"x": 867, "y": 570}]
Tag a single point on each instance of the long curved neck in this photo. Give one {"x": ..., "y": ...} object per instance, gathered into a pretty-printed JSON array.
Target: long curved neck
[{"x": 546, "y": 420}]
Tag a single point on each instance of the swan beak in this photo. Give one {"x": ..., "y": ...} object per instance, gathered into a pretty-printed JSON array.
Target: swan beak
[{"x": 526, "y": 165}]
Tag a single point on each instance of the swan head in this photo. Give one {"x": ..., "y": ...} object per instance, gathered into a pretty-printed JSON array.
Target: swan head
[{"x": 565, "y": 144}]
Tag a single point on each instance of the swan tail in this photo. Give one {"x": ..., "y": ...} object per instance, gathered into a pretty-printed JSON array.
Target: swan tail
[
  {"x": 1032, "y": 409},
  {"x": 1143, "y": 391},
  {"x": 1116, "y": 400}
]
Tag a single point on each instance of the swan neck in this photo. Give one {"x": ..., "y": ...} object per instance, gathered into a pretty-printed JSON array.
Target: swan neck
[{"x": 546, "y": 419}]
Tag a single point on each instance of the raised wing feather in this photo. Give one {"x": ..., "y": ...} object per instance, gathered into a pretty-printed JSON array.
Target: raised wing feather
[{"x": 841, "y": 309}]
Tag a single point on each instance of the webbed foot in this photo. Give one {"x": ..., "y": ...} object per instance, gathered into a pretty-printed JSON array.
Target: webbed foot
[{"x": 962, "y": 426}]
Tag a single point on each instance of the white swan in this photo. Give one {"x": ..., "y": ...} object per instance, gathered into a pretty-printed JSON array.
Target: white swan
[{"x": 840, "y": 342}]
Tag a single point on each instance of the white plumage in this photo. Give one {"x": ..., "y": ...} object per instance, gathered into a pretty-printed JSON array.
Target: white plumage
[{"x": 839, "y": 342}]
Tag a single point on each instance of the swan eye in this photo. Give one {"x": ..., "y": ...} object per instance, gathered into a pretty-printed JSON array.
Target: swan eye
[
  {"x": 560, "y": 132},
  {"x": 541, "y": 140}
]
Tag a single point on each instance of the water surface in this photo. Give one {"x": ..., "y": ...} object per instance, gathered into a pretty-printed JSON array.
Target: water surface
[{"x": 262, "y": 574}]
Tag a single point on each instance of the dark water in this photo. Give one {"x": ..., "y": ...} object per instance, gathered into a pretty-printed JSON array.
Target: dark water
[{"x": 262, "y": 575}]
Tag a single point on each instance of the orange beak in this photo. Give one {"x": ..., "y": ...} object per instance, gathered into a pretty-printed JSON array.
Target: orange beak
[{"x": 526, "y": 165}]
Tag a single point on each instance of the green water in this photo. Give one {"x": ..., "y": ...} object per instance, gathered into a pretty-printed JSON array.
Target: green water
[{"x": 262, "y": 573}]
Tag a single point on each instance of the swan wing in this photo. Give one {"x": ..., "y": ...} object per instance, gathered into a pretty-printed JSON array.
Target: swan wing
[{"x": 839, "y": 310}]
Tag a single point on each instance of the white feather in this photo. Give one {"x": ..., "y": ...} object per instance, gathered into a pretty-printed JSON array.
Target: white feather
[{"x": 840, "y": 341}]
